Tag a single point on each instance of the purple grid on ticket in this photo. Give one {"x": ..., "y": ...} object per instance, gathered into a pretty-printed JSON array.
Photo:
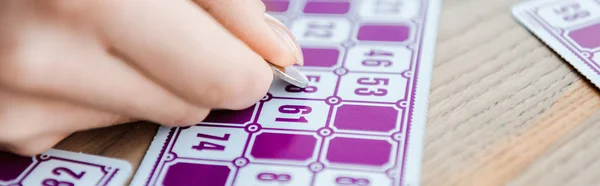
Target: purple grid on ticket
[{"x": 359, "y": 122}]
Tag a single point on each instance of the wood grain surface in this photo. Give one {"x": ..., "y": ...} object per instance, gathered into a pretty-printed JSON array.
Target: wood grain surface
[{"x": 504, "y": 109}]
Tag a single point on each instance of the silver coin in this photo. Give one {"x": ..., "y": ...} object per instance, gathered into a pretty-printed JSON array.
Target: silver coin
[{"x": 291, "y": 75}]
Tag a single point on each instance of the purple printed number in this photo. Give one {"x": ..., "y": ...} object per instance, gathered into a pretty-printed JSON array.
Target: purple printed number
[
  {"x": 377, "y": 62},
  {"x": 308, "y": 89},
  {"x": 320, "y": 29},
  {"x": 375, "y": 81},
  {"x": 54, "y": 182},
  {"x": 60, "y": 171},
  {"x": 352, "y": 181},
  {"x": 267, "y": 176},
  {"x": 388, "y": 6},
  {"x": 294, "y": 109},
  {"x": 203, "y": 145},
  {"x": 572, "y": 12},
  {"x": 371, "y": 82}
]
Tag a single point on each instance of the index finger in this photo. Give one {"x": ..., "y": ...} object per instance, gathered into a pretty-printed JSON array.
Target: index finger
[
  {"x": 247, "y": 20},
  {"x": 181, "y": 47}
]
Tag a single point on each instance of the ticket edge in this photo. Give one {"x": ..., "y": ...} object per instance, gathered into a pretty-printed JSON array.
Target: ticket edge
[
  {"x": 142, "y": 174},
  {"x": 414, "y": 157},
  {"x": 519, "y": 13}
]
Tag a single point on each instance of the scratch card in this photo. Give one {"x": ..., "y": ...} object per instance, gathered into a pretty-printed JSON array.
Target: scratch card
[
  {"x": 570, "y": 27},
  {"x": 359, "y": 122},
  {"x": 62, "y": 168}
]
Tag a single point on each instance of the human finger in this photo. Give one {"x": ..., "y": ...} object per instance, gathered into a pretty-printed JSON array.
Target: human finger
[
  {"x": 31, "y": 125},
  {"x": 183, "y": 48},
  {"x": 266, "y": 35},
  {"x": 86, "y": 73}
]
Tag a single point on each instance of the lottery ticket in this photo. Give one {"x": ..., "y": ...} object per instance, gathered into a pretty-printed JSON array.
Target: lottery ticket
[
  {"x": 62, "y": 168},
  {"x": 570, "y": 27},
  {"x": 360, "y": 121}
]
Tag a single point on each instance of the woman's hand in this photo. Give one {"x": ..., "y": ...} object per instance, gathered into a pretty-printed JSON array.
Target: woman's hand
[{"x": 73, "y": 65}]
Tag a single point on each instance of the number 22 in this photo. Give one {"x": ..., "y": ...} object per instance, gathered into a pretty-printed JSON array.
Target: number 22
[{"x": 321, "y": 30}]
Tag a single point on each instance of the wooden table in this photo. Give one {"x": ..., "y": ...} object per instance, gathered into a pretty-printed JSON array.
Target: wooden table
[{"x": 504, "y": 109}]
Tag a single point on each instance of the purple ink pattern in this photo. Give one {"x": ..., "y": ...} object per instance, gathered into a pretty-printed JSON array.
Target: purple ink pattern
[
  {"x": 383, "y": 33},
  {"x": 587, "y": 37},
  {"x": 356, "y": 151},
  {"x": 283, "y": 146},
  {"x": 320, "y": 57},
  {"x": 324, "y": 7},
  {"x": 233, "y": 117},
  {"x": 359, "y": 151},
  {"x": 11, "y": 165},
  {"x": 276, "y": 5},
  {"x": 196, "y": 174},
  {"x": 366, "y": 118}
]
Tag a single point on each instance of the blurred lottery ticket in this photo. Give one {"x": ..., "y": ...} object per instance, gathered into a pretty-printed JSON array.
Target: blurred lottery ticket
[
  {"x": 62, "y": 168},
  {"x": 570, "y": 27},
  {"x": 360, "y": 121}
]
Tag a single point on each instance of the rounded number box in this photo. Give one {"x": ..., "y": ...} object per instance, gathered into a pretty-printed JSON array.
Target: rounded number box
[
  {"x": 277, "y": 6},
  {"x": 197, "y": 172},
  {"x": 586, "y": 37},
  {"x": 360, "y": 152},
  {"x": 321, "y": 30},
  {"x": 337, "y": 7},
  {"x": 319, "y": 86},
  {"x": 210, "y": 143},
  {"x": 377, "y": 58},
  {"x": 388, "y": 10},
  {"x": 566, "y": 14},
  {"x": 322, "y": 56},
  {"x": 284, "y": 147},
  {"x": 45, "y": 172},
  {"x": 330, "y": 177},
  {"x": 294, "y": 114},
  {"x": 231, "y": 117},
  {"x": 388, "y": 88},
  {"x": 367, "y": 118},
  {"x": 382, "y": 32},
  {"x": 255, "y": 174}
]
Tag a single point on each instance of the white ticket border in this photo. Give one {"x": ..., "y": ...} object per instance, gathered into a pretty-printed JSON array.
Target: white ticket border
[
  {"x": 521, "y": 12},
  {"x": 414, "y": 148},
  {"x": 143, "y": 172},
  {"x": 414, "y": 155}
]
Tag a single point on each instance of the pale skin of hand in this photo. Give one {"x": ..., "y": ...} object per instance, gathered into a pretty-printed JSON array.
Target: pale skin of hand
[{"x": 72, "y": 65}]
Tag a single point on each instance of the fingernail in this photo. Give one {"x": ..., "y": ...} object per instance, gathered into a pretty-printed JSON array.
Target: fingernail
[{"x": 286, "y": 37}]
